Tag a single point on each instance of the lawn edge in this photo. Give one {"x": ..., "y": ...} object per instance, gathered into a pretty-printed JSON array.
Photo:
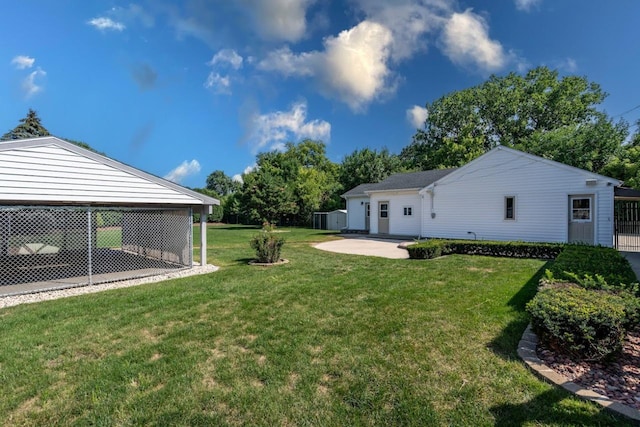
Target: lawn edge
[{"x": 527, "y": 352}]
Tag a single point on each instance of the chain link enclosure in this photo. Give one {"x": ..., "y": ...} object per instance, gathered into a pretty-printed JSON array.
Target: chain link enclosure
[{"x": 44, "y": 248}]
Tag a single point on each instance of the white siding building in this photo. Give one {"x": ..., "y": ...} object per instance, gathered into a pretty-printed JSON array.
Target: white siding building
[{"x": 505, "y": 194}]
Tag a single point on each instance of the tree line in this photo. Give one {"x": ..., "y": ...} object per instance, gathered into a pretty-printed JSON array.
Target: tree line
[{"x": 540, "y": 112}]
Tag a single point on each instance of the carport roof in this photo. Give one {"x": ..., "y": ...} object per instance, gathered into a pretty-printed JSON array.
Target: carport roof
[
  {"x": 626, "y": 193},
  {"x": 50, "y": 170}
]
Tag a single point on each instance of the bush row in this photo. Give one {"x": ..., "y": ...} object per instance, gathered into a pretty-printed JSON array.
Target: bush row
[
  {"x": 583, "y": 260},
  {"x": 434, "y": 248},
  {"x": 589, "y": 316}
]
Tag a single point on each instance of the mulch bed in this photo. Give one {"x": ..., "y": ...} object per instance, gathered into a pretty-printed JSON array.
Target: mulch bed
[{"x": 618, "y": 379}]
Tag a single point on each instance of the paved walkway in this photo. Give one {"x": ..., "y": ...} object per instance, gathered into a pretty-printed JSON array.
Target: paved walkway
[{"x": 384, "y": 248}]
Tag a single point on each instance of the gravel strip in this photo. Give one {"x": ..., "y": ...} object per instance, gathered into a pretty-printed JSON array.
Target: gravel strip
[
  {"x": 618, "y": 379},
  {"x": 9, "y": 301}
]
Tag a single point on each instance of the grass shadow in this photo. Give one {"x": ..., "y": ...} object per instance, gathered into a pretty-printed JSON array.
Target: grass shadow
[
  {"x": 551, "y": 408},
  {"x": 552, "y": 404},
  {"x": 506, "y": 343}
]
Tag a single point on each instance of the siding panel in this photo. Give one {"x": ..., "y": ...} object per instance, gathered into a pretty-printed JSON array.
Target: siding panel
[
  {"x": 52, "y": 173},
  {"x": 472, "y": 200}
]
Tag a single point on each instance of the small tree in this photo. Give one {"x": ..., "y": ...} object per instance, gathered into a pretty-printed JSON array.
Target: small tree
[{"x": 267, "y": 245}]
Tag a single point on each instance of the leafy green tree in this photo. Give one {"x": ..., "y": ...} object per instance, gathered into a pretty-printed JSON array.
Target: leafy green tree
[
  {"x": 314, "y": 188},
  {"x": 233, "y": 208},
  {"x": 367, "y": 165},
  {"x": 217, "y": 211},
  {"x": 307, "y": 176},
  {"x": 29, "y": 127},
  {"x": 626, "y": 165},
  {"x": 219, "y": 182},
  {"x": 539, "y": 112},
  {"x": 266, "y": 197},
  {"x": 84, "y": 145}
]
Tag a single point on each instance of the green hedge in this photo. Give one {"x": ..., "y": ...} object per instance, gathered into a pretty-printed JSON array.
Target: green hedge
[
  {"x": 588, "y": 324},
  {"x": 582, "y": 260},
  {"x": 434, "y": 248}
]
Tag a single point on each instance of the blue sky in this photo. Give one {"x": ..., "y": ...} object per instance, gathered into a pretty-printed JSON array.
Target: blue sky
[{"x": 183, "y": 88}]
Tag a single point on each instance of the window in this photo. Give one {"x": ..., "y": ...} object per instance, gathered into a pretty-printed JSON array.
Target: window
[
  {"x": 408, "y": 210},
  {"x": 510, "y": 208},
  {"x": 581, "y": 209},
  {"x": 384, "y": 210},
  {"x": 368, "y": 210}
]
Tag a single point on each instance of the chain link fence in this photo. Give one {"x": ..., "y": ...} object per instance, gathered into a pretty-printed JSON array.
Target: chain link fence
[{"x": 59, "y": 247}]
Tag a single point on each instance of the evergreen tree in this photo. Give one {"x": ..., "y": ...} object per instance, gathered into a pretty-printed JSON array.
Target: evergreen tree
[{"x": 29, "y": 127}]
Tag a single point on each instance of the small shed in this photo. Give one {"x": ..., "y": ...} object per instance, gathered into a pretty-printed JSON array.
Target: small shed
[
  {"x": 72, "y": 217},
  {"x": 334, "y": 220}
]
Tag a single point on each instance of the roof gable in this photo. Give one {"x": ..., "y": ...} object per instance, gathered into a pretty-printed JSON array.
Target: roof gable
[
  {"x": 517, "y": 153},
  {"x": 49, "y": 169}
]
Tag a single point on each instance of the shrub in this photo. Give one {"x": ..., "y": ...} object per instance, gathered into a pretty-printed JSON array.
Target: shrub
[
  {"x": 426, "y": 250},
  {"x": 588, "y": 324},
  {"x": 593, "y": 263},
  {"x": 436, "y": 247},
  {"x": 267, "y": 245}
]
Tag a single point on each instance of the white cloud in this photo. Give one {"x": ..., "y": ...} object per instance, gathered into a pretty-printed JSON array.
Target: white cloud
[
  {"x": 466, "y": 42},
  {"x": 410, "y": 21},
  {"x": 21, "y": 62},
  {"x": 417, "y": 116},
  {"x": 356, "y": 63},
  {"x": 283, "y": 20},
  {"x": 568, "y": 65},
  {"x": 286, "y": 62},
  {"x": 185, "y": 169},
  {"x": 238, "y": 177},
  {"x": 352, "y": 67},
  {"x": 227, "y": 56},
  {"x": 218, "y": 84},
  {"x": 31, "y": 84},
  {"x": 527, "y": 5},
  {"x": 104, "y": 24},
  {"x": 271, "y": 131}
]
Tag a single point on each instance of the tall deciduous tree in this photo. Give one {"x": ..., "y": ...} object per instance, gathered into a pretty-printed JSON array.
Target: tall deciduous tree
[
  {"x": 539, "y": 112},
  {"x": 219, "y": 182},
  {"x": 266, "y": 197},
  {"x": 291, "y": 184},
  {"x": 367, "y": 165},
  {"x": 626, "y": 165},
  {"x": 29, "y": 127}
]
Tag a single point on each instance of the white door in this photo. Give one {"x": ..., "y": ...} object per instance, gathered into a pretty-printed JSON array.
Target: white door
[
  {"x": 581, "y": 219},
  {"x": 383, "y": 217}
]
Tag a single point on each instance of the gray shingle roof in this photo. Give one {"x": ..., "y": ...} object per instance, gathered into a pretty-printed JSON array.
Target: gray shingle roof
[
  {"x": 359, "y": 190},
  {"x": 401, "y": 181}
]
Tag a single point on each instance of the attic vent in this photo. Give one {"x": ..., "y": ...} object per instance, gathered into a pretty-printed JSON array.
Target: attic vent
[{"x": 592, "y": 182}]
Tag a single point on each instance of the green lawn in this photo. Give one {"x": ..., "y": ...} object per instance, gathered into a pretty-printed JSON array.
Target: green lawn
[{"x": 327, "y": 339}]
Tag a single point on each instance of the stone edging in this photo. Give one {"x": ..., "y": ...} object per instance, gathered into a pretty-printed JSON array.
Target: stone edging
[{"x": 527, "y": 352}]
